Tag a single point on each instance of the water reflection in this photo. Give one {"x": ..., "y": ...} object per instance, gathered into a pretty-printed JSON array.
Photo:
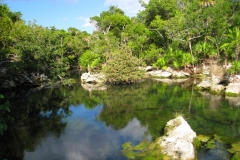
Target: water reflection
[
  {"x": 87, "y": 139},
  {"x": 73, "y": 123}
]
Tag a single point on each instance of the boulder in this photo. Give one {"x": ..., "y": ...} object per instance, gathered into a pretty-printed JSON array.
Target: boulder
[
  {"x": 217, "y": 89},
  {"x": 8, "y": 84},
  {"x": 177, "y": 74},
  {"x": 92, "y": 78},
  {"x": 178, "y": 140},
  {"x": 205, "y": 84},
  {"x": 160, "y": 73},
  {"x": 3, "y": 73},
  {"x": 234, "y": 79},
  {"x": 220, "y": 152},
  {"x": 148, "y": 68},
  {"x": 233, "y": 89},
  {"x": 180, "y": 74}
]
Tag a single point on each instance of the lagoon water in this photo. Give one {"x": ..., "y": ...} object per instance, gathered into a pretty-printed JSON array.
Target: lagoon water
[{"x": 71, "y": 123}]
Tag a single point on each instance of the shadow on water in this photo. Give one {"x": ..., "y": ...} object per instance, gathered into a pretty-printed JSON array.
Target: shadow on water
[{"x": 73, "y": 123}]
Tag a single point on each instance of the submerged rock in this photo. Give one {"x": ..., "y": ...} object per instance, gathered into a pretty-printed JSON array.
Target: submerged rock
[
  {"x": 8, "y": 84},
  {"x": 177, "y": 142},
  {"x": 217, "y": 153}
]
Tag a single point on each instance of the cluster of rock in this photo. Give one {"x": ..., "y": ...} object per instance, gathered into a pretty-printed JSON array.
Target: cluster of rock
[
  {"x": 218, "y": 84},
  {"x": 10, "y": 81},
  {"x": 168, "y": 73}
]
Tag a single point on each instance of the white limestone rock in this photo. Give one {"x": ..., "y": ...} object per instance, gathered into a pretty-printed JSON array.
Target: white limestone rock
[
  {"x": 217, "y": 88},
  {"x": 233, "y": 89},
  {"x": 160, "y": 73},
  {"x": 92, "y": 78},
  {"x": 177, "y": 143}
]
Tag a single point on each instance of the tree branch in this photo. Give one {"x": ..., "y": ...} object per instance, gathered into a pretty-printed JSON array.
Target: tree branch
[{"x": 158, "y": 32}]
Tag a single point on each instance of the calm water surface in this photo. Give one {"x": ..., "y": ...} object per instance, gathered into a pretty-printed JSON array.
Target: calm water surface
[{"x": 72, "y": 123}]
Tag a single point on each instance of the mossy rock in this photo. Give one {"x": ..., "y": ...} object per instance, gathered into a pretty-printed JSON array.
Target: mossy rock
[
  {"x": 230, "y": 94},
  {"x": 198, "y": 88},
  {"x": 216, "y": 92}
]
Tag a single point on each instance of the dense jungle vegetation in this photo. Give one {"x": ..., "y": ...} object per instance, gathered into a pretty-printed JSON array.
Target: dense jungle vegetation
[{"x": 173, "y": 33}]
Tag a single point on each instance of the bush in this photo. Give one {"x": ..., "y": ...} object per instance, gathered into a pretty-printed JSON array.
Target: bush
[{"x": 121, "y": 68}]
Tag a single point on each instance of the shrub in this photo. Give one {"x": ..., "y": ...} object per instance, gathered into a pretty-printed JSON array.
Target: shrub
[{"x": 121, "y": 68}]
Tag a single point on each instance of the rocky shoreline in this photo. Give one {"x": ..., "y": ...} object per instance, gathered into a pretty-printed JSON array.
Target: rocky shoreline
[{"x": 210, "y": 82}]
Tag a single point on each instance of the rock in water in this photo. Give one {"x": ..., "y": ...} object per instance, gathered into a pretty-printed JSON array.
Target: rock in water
[{"x": 177, "y": 142}]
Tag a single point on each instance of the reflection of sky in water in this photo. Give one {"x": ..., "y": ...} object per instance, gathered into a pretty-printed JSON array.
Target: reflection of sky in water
[{"x": 85, "y": 138}]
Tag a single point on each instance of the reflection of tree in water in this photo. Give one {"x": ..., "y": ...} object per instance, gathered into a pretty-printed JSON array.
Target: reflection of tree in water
[
  {"x": 150, "y": 102},
  {"x": 154, "y": 104},
  {"x": 34, "y": 118}
]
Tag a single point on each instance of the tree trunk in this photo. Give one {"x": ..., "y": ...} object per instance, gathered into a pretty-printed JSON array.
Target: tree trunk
[{"x": 190, "y": 47}]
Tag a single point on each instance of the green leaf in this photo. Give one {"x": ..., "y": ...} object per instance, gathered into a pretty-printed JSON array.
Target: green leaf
[
  {"x": 128, "y": 154},
  {"x": 203, "y": 138},
  {"x": 142, "y": 145},
  {"x": 235, "y": 148},
  {"x": 126, "y": 145},
  {"x": 217, "y": 138},
  {"x": 236, "y": 156},
  {"x": 211, "y": 144}
]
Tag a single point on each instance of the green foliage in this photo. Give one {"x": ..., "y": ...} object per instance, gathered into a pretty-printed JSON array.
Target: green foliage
[
  {"x": 235, "y": 150},
  {"x": 160, "y": 63},
  {"x": 4, "y": 117},
  {"x": 232, "y": 42},
  {"x": 68, "y": 81},
  {"x": 235, "y": 69},
  {"x": 203, "y": 141},
  {"x": 166, "y": 33},
  {"x": 145, "y": 150},
  {"x": 89, "y": 58},
  {"x": 176, "y": 58},
  {"x": 121, "y": 68},
  {"x": 210, "y": 144}
]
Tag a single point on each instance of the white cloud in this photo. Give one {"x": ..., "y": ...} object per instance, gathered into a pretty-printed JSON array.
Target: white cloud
[
  {"x": 130, "y": 7},
  {"x": 81, "y": 18},
  {"x": 65, "y": 18},
  {"x": 85, "y": 20}
]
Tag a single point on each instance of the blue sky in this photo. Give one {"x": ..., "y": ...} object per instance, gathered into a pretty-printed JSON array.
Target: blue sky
[{"x": 69, "y": 13}]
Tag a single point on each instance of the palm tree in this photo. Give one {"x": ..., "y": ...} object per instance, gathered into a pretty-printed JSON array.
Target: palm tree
[{"x": 233, "y": 41}]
